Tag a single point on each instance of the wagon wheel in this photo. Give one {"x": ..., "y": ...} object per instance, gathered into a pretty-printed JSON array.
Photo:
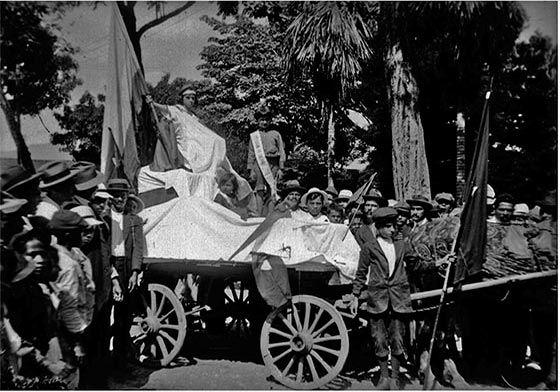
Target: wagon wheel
[
  {"x": 237, "y": 308},
  {"x": 305, "y": 343},
  {"x": 158, "y": 332}
]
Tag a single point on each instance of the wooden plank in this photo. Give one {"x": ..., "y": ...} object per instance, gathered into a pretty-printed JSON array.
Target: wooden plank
[{"x": 487, "y": 284}]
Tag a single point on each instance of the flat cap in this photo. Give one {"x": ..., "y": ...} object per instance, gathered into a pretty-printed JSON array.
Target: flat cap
[
  {"x": 67, "y": 220},
  {"x": 383, "y": 213}
]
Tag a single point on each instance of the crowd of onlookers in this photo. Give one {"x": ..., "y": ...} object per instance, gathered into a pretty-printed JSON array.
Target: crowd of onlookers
[
  {"x": 71, "y": 253},
  {"x": 72, "y": 249}
]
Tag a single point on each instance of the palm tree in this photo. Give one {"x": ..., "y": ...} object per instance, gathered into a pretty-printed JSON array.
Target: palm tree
[
  {"x": 329, "y": 41},
  {"x": 477, "y": 36}
]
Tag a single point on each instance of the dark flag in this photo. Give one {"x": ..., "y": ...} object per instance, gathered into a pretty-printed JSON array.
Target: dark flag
[{"x": 471, "y": 239}]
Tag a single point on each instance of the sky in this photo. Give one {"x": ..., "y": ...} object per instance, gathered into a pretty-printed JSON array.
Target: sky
[{"x": 172, "y": 47}]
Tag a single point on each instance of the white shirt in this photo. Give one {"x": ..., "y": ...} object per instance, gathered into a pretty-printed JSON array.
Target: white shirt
[
  {"x": 117, "y": 234},
  {"x": 388, "y": 249}
]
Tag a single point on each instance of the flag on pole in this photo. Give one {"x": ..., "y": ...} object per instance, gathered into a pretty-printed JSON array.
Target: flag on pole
[
  {"x": 123, "y": 104},
  {"x": 471, "y": 240}
]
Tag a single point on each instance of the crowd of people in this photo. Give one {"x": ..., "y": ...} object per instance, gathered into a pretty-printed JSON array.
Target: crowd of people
[{"x": 72, "y": 251}]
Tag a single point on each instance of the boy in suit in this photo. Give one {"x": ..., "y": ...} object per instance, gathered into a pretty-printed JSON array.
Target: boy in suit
[{"x": 387, "y": 291}]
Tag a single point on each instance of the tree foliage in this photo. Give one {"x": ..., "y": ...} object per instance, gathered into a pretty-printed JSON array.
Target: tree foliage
[
  {"x": 83, "y": 124},
  {"x": 37, "y": 68}
]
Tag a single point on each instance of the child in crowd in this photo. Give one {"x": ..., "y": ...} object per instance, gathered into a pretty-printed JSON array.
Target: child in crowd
[{"x": 227, "y": 195}]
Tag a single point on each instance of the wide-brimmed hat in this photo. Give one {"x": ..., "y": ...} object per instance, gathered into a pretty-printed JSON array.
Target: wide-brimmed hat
[
  {"x": 10, "y": 204},
  {"x": 331, "y": 190},
  {"x": 344, "y": 194},
  {"x": 14, "y": 177},
  {"x": 444, "y": 196},
  {"x": 102, "y": 194},
  {"x": 87, "y": 214},
  {"x": 118, "y": 185},
  {"x": 312, "y": 191},
  {"x": 374, "y": 194},
  {"x": 66, "y": 220},
  {"x": 55, "y": 173},
  {"x": 292, "y": 186},
  {"x": 521, "y": 209},
  {"x": 420, "y": 200},
  {"x": 383, "y": 213},
  {"x": 88, "y": 176},
  {"x": 139, "y": 203}
]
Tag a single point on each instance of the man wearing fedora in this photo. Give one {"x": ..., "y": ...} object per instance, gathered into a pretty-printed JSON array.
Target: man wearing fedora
[
  {"x": 372, "y": 201},
  {"x": 86, "y": 181},
  {"x": 127, "y": 247},
  {"x": 57, "y": 181},
  {"x": 21, "y": 184},
  {"x": 420, "y": 207},
  {"x": 292, "y": 193}
]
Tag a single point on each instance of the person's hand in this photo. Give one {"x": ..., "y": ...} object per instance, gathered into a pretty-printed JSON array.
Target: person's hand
[
  {"x": 354, "y": 305},
  {"x": 80, "y": 353},
  {"x": 148, "y": 98},
  {"x": 117, "y": 291},
  {"x": 446, "y": 260},
  {"x": 133, "y": 281}
]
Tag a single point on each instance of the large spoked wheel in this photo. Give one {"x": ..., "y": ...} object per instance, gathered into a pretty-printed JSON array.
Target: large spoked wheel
[
  {"x": 305, "y": 343},
  {"x": 237, "y": 308},
  {"x": 158, "y": 331}
]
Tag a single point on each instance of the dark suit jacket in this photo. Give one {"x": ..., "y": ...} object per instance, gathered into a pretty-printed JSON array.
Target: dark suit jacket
[
  {"x": 384, "y": 290},
  {"x": 364, "y": 235},
  {"x": 133, "y": 247}
]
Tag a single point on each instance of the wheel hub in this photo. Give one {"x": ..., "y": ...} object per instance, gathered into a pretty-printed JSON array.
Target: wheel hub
[
  {"x": 150, "y": 325},
  {"x": 302, "y": 343}
]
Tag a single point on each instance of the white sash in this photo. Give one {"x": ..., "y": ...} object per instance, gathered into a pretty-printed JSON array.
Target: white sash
[{"x": 263, "y": 163}]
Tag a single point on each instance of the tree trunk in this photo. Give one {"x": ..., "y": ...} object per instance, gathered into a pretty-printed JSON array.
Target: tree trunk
[
  {"x": 330, "y": 148},
  {"x": 410, "y": 167},
  {"x": 460, "y": 159},
  {"x": 24, "y": 157}
]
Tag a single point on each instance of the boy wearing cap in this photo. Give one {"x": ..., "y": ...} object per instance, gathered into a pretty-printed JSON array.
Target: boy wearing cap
[{"x": 387, "y": 292}]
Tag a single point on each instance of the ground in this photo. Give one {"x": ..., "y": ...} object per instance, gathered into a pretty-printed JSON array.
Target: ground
[{"x": 228, "y": 364}]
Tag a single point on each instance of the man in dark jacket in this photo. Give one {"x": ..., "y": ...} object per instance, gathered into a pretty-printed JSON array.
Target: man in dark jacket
[
  {"x": 387, "y": 291},
  {"x": 127, "y": 248}
]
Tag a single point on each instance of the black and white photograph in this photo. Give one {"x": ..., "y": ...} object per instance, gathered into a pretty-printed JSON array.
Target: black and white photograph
[{"x": 278, "y": 195}]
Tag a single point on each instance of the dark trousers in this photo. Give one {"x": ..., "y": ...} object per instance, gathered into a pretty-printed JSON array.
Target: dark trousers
[
  {"x": 387, "y": 330},
  {"x": 122, "y": 343},
  {"x": 95, "y": 372}
]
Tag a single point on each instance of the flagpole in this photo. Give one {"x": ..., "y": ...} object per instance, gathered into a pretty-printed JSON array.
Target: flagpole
[
  {"x": 366, "y": 189},
  {"x": 448, "y": 273}
]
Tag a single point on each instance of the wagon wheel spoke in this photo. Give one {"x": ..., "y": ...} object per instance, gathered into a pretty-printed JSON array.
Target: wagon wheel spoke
[
  {"x": 137, "y": 320},
  {"x": 316, "y": 320},
  {"x": 288, "y": 367},
  {"x": 153, "y": 350},
  {"x": 315, "y": 355},
  {"x": 279, "y": 344},
  {"x": 162, "y": 346},
  {"x": 170, "y": 326},
  {"x": 139, "y": 338},
  {"x": 325, "y": 349},
  {"x": 320, "y": 330},
  {"x": 161, "y": 320},
  {"x": 160, "y": 307},
  {"x": 234, "y": 292},
  {"x": 307, "y": 315},
  {"x": 327, "y": 339},
  {"x": 312, "y": 368},
  {"x": 168, "y": 337},
  {"x": 228, "y": 298},
  {"x": 299, "y": 375},
  {"x": 278, "y": 357},
  {"x": 287, "y": 324},
  {"x": 296, "y": 317},
  {"x": 281, "y": 333},
  {"x": 153, "y": 304}
]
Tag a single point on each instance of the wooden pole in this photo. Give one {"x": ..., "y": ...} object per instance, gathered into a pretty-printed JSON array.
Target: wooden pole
[{"x": 364, "y": 192}]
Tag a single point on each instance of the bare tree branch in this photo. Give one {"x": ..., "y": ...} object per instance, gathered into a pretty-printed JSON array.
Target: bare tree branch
[{"x": 159, "y": 21}]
